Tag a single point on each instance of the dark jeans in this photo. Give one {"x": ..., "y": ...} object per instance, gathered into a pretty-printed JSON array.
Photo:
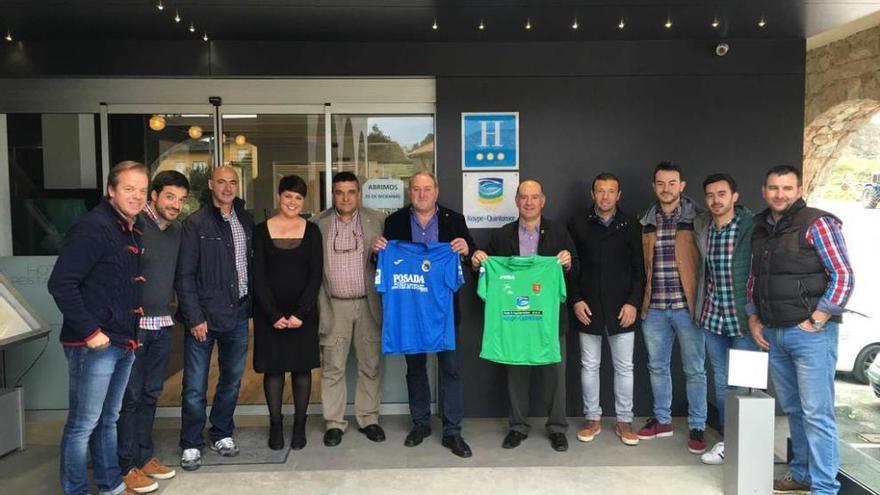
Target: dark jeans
[
  {"x": 135, "y": 425},
  {"x": 231, "y": 355},
  {"x": 97, "y": 384},
  {"x": 451, "y": 394}
]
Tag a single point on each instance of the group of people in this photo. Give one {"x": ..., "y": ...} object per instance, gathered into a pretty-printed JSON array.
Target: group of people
[{"x": 715, "y": 280}]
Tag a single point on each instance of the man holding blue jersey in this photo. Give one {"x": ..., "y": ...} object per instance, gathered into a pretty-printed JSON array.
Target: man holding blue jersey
[{"x": 426, "y": 221}]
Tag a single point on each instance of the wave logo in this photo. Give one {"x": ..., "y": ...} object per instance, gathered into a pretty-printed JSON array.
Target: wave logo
[
  {"x": 522, "y": 303},
  {"x": 490, "y": 190}
]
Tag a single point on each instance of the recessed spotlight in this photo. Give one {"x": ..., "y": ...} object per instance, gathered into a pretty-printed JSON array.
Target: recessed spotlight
[
  {"x": 762, "y": 22},
  {"x": 8, "y": 36},
  {"x": 192, "y": 27},
  {"x": 435, "y": 26},
  {"x": 716, "y": 23},
  {"x": 528, "y": 24},
  {"x": 177, "y": 17},
  {"x": 621, "y": 24},
  {"x": 205, "y": 36},
  {"x": 668, "y": 23},
  {"x": 482, "y": 25},
  {"x": 160, "y": 5},
  {"x": 574, "y": 25}
]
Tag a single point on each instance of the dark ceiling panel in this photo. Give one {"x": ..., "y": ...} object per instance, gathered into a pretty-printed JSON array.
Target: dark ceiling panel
[{"x": 411, "y": 20}]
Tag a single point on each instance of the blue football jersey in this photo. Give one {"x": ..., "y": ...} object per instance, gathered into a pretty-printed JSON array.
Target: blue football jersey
[{"x": 416, "y": 281}]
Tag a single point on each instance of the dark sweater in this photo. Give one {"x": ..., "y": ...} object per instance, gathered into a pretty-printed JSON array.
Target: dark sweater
[
  {"x": 158, "y": 265},
  {"x": 96, "y": 282}
]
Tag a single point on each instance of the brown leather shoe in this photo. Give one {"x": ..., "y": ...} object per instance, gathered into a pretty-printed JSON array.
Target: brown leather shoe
[
  {"x": 592, "y": 428},
  {"x": 790, "y": 486},
  {"x": 138, "y": 482},
  {"x": 626, "y": 433},
  {"x": 156, "y": 470}
]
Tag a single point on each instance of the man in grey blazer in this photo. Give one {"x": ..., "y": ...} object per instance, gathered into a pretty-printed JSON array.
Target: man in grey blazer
[{"x": 350, "y": 309}]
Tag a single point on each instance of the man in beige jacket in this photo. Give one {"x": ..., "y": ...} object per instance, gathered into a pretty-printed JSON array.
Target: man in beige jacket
[{"x": 350, "y": 310}]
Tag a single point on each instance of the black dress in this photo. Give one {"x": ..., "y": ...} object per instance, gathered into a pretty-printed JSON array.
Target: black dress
[{"x": 287, "y": 276}]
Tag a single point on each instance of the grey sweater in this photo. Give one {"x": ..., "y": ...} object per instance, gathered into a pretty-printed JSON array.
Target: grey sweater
[{"x": 158, "y": 265}]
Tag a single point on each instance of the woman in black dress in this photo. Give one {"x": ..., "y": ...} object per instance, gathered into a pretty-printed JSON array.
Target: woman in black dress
[{"x": 288, "y": 268}]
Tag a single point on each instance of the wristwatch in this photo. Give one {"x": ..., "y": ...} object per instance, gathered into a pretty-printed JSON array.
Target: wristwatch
[{"x": 818, "y": 325}]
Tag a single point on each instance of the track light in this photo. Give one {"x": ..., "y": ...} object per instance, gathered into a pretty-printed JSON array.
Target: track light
[
  {"x": 160, "y": 6},
  {"x": 574, "y": 25},
  {"x": 621, "y": 24},
  {"x": 434, "y": 26},
  {"x": 528, "y": 24}
]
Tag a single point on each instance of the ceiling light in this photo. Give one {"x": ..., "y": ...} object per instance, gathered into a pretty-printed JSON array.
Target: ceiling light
[
  {"x": 482, "y": 26},
  {"x": 157, "y": 122},
  {"x": 239, "y": 116},
  {"x": 194, "y": 132},
  {"x": 177, "y": 17},
  {"x": 668, "y": 23},
  {"x": 574, "y": 25},
  {"x": 8, "y": 37},
  {"x": 621, "y": 24},
  {"x": 762, "y": 22},
  {"x": 240, "y": 140},
  {"x": 160, "y": 5},
  {"x": 716, "y": 23},
  {"x": 434, "y": 26},
  {"x": 205, "y": 36},
  {"x": 192, "y": 27},
  {"x": 528, "y": 24}
]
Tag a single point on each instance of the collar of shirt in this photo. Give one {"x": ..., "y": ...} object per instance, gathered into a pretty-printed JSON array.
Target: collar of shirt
[
  {"x": 663, "y": 217},
  {"x": 431, "y": 222},
  {"x": 602, "y": 220},
  {"x": 525, "y": 230},
  {"x": 151, "y": 212},
  {"x": 230, "y": 216},
  {"x": 732, "y": 223}
]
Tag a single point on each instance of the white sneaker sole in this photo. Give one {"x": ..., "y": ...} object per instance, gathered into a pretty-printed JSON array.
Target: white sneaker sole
[
  {"x": 145, "y": 489},
  {"x": 659, "y": 435},
  {"x": 166, "y": 476},
  {"x": 590, "y": 438}
]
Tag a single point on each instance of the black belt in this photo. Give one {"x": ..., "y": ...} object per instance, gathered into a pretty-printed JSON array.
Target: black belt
[{"x": 349, "y": 298}]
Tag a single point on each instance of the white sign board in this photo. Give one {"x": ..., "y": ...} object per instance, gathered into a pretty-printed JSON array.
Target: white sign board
[
  {"x": 488, "y": 198},
  {"x": 747, "y": 369},
  {"x": 383, "y": 193}
]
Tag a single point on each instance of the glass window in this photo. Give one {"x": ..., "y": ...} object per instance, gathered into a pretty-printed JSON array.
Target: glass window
[{"x": 55, "y": 176}]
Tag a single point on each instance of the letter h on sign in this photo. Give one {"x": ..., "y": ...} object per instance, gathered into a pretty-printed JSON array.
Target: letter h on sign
[{"x": 490, "y": 141}]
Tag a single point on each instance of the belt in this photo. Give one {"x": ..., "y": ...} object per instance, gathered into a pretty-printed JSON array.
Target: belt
[{"x": 349, "y": 298}]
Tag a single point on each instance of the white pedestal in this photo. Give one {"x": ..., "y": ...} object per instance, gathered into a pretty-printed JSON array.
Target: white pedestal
[
  {"x": 748, "y": 442},
  {"x": 11, "y": 419}
]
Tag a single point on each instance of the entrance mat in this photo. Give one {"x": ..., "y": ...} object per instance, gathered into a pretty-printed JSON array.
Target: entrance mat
[{"x": 251, "y": 441}]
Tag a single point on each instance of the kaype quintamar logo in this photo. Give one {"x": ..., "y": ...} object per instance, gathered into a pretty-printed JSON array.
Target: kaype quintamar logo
[{"x": 490, "y": 190}]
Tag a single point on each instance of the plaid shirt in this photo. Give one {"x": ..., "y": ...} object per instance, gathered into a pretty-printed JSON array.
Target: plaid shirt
[
  {"x": 666, "y": 290},
  {"x": 345, "y": 262},
  {"x": 718, "y": 314},
  {"x": 239, "y": 240}
]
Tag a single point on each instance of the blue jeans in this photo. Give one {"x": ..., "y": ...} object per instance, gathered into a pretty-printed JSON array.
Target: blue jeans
[
  {"x": 717, "y": 347},
  {"x": 231, "y": 354},
  {"x": 802, "y": 366},
  {"x": 660, "y": 329},
  {"x": 451, "y": 394},
  {"x": 97, "y": 383},
  {"x": 135, "y": 425}
]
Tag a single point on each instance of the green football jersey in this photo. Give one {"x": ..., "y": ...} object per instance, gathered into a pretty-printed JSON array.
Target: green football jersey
[{"x": 521, "y": 323}]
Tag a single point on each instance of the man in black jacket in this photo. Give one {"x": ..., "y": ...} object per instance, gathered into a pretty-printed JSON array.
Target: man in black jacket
[
  {"x": 532, "y": 234},
  {"x": 606, "y": 297},
  {"x": 426, "y": 221},
  {"x": 213, "y": 288}
]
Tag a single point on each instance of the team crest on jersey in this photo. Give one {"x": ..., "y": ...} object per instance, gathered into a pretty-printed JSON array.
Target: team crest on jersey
[
  {"x": 536, "y": 287},
  {"x": 426, "y": 266},
  {"x": 522, "y": 303}
]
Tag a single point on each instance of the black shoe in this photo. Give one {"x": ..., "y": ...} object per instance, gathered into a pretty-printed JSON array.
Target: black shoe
[
  {"x": 457, "y": 445},
  {"x": 276, "y": 435},
  {"x": 374, "y": 433},
  {"x": 299, "y": 436},
  {"x": 513, "y": 439},
  {"x": 416, "y": 435},
  {"x": 332, "y": 437},
  {"x": 558, "y": 442}
]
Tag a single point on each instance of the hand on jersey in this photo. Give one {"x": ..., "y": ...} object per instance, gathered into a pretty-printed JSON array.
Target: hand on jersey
[{"x": 564, "y": 258}]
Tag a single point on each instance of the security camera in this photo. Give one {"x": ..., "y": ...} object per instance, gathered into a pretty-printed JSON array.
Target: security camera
[{"x": 721, "y": 49}]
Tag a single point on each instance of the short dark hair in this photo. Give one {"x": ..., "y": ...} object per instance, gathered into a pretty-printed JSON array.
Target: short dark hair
[
  {"x": 784, "y": 170},
  {"x": 605, "y": 176},
  {"x": 293, "y": 183},
  {"x": 345, "y": 177},
  {"x": 719, "y": 178},
  {"x": 168, "y": 178},
  {"x": 668, "y": 167},
  {"x": 123, "y": 166}
]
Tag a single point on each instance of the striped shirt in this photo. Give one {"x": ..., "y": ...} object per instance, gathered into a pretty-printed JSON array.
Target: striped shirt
[
  {"x": 666, "y": 289},
  {"x": 718, "y": 314},
  {"x": 345, "y": 261},
  {"x": 239, "y": 240}
]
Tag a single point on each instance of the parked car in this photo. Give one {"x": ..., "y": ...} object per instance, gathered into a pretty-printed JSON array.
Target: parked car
[
  {"x": 874, "y": 375},
  {"x": 871, "y": 192},
  {"x": 858, "y": 344}
]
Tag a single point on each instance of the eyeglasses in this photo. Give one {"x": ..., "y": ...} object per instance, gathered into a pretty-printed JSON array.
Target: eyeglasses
[{"x": 345, "y": 248}]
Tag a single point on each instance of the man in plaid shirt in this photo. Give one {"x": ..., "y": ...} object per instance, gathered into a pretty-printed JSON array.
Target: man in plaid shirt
[
  {"x": 724, "y": 240},
  {"x": 671, "y": 261}
]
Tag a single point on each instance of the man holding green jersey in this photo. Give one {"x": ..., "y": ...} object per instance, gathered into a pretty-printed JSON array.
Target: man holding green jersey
[{"x": 533, "y": 235}]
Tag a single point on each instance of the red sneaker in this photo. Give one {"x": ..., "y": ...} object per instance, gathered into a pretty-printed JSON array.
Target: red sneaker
[
  {"x": 655, "y": 429},
  {"x": 696, "y": 443}
]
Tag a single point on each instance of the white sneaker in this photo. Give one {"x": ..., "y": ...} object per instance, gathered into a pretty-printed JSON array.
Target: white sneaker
[
  {"x": 225, "y": 447},
  {"x": 191, "y": 459},
  {"x": 714, "y": 456}
]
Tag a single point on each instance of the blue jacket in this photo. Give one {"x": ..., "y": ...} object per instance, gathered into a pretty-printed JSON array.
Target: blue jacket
[
  {"x": 96, "y": 281},
  {"x": 206, "y": 281}
]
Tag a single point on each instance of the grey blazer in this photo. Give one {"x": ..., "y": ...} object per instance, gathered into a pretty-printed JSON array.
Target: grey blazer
[{"x": 372, "y": 223}]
